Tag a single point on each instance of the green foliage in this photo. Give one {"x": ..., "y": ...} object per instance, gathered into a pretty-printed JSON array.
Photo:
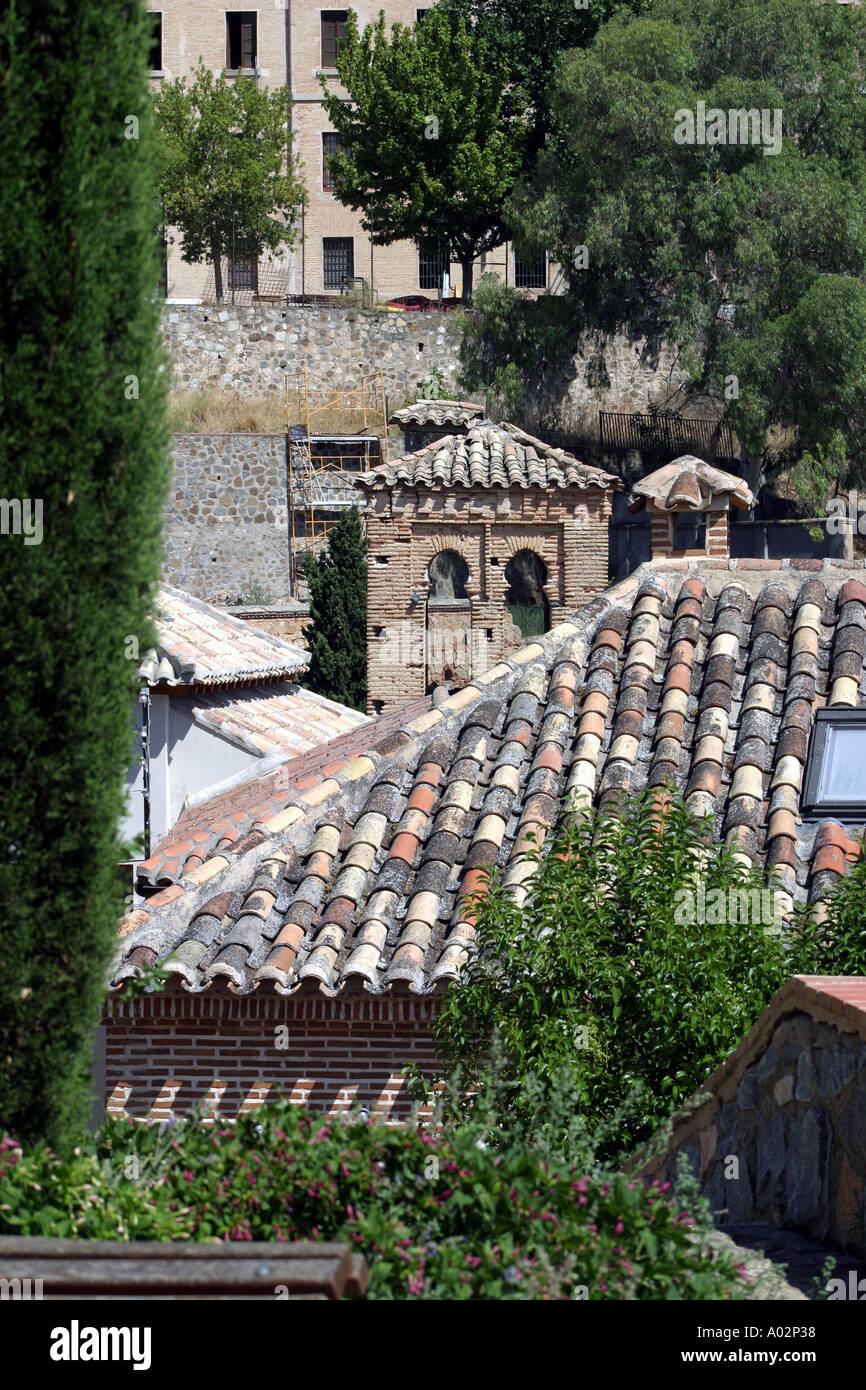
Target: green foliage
[
  {"x": 224, "y": 147},
  {"x": 82, "y": 432},
  {"x": 337, "y": 635},
  {"x": 602, "y": 977},
  {"x": 468, "y": 1212},
  {"x": 680, "y": 234},
  {"x": 515, "y": 347},
  {"x": 255, "y": 594},
  {"x": 427, "y": 148}
]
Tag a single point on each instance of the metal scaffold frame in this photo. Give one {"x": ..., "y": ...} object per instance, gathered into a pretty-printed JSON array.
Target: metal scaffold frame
[{"x": 308, "y": 406}]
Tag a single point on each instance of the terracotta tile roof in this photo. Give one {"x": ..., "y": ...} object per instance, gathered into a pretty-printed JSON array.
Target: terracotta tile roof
[
  {"x": 437, "y": 414},
  {"x": 213, "y": 826},
  {"x": 203, "y": 645},
  {"x": 488, "y": 456},
  {"x": 706, "y": 674},
  {"x": 690, "y": 482},
  {"x": 282, "y": 717}
]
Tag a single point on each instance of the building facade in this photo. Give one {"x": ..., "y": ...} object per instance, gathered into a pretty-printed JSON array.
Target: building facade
[
  {"x": 292, "y": 43},
  {"x": 475, "y": 543}
]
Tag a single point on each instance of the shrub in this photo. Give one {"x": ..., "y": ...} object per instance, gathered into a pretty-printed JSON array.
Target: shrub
[
  {"x": 337, "y": 635},
  {"x": 466, "y": 1213}
]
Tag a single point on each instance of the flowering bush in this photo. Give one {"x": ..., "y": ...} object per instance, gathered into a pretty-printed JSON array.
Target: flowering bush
[{"x": 436, "y": 1216}]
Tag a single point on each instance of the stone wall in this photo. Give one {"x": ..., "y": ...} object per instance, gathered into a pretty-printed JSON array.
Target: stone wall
[
  {"x": 249, "y": 350},
  {"x": 227, "y": 520},
  {"x": 780, "y": 1138}
]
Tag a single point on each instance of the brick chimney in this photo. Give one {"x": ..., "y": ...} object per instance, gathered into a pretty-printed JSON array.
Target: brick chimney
[{"x": 688, "y": 501}]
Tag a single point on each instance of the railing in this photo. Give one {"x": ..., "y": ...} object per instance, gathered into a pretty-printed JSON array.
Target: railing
[{"x": 660, "y": 438}]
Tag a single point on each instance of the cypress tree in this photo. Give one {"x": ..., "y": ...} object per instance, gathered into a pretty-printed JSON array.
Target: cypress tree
[
  {"x": 83, "y": 449},
  {"x": 337, "y": 635}
]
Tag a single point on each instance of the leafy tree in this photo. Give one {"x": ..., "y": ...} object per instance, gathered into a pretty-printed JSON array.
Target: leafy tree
[
  {"x": 749, "y": 256},
  {"x": 337, "y": 635},
  {"x": 516, "y": 349},
  {"x": 606, "y": 976},
  {"x": 225, "y": 150},
  {"x": 427, "y": 149},
  {"x": 524, "y": 37},
  {"x": 83, "y": 443}
]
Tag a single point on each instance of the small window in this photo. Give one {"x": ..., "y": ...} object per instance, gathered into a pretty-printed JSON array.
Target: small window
[
  {"x": 835, "y": 783},
  {"x": 155, "y": 59},
  {"x": 333, "y": 32},
  {"x": 431, "y": 264},
  {"x": 331, "y": 144},
  {"x": 690, "y": 531},
  {"x": 339, "y": 262},
  {"x": 530, "y": 270},
  {"x": 419, "y": 15},
  {"x": 241, "y": 50}
]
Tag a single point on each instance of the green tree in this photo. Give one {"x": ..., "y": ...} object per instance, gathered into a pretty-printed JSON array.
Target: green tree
[
  {"x": 750, "y": 257},
  {"x": 428, "y": 152},
  {"x": 225, "y": 149},
  {"x": 84, "y": 446},
  {"x": 612, "y": 974},
  {"x": 337, "y": 635}
]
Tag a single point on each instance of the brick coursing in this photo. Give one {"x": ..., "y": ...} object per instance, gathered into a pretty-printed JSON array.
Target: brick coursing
[{"x": 167, "y": 1053}]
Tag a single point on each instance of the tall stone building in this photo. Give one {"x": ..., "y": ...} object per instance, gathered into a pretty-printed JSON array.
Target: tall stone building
[
  {"x": 475, "y": 542},
  {"x": 292, "y": 43}
]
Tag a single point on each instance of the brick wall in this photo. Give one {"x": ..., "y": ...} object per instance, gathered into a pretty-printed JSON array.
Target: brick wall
[
  {"x": 166, "y": 1053},
  {"x": 567, "y": 528},
  {"x": 717, "y": 543}
]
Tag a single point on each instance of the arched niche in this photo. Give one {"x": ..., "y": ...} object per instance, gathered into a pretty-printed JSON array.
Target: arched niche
[{"x": 448, "y": 574}]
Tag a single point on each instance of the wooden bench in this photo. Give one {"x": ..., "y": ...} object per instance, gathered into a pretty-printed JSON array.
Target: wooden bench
[{"x": 104, "y": 1269}]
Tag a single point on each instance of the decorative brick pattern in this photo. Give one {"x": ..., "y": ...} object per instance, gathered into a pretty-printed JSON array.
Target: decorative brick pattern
[{"x": 167, "y": 1053}]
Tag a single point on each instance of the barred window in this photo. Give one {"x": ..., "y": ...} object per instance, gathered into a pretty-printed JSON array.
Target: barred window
[
  {"x": 331, "y": 144},
  {"x": 244, "y": 273},
  {"x": 333, "y": 31},
  {"x": 431, "y": 264},
  {"x": 339, "y": 261},
  {"x": 530, "y": 270}
]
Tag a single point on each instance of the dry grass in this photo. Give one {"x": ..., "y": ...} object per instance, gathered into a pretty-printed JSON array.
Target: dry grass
[{"x": 219, "y": 412}]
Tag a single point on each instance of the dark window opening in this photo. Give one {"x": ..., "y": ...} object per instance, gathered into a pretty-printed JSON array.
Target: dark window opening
[
  {"x": 419, "y": 15},
  {"x": 240, "y": 40},
  {"x": 448, "y": 574},
  {"x": 339, "y": 258},
  {"x": 526, "y": 601},
  {"x": 333, "y": 32},
  {"x": 530, "y": 270},
  {"x": 690, "y": 531},
  {"x": 155, "y": 59},
  {"x": 835, "y": 781},
  {"x": 330, "y": 145}
]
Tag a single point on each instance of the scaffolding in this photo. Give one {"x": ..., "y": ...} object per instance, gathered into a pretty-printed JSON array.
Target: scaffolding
[{"x": 331, "y": 437}]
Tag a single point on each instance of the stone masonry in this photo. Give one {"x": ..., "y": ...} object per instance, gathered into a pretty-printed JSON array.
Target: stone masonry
[{"x": 249, "y": 351}]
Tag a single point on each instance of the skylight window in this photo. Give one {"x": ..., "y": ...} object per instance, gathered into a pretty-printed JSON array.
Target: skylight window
[{"x": 836, "y": 767}]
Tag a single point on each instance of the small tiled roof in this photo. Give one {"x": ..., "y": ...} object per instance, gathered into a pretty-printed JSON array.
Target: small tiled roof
[
  {"x": 692, "y": 483},
  {"x": 202, "y": 645},
  {"x": 281, "y": 717},
  {"x": 701, "y": 674},
  {"x": 437, "y": 414},
  {"x": 489, "y": 455}
]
